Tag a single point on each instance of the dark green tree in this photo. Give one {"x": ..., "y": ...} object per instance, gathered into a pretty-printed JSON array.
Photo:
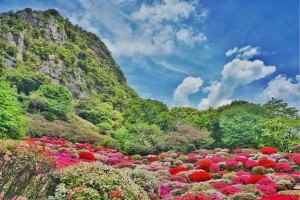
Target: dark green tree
[
  {"x": 279, "y": 108},
  {"x": 240, "y": 129}
]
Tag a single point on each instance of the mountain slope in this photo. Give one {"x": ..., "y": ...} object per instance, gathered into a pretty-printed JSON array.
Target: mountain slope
[
  {"x": 45, "y": 47},
  {"x": 40, "y": 48}
]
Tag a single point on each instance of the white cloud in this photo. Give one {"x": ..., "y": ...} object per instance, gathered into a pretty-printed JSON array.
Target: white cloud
[
  {"x": 166, "y": 10},
  {"x": 148, "y": 30},
  {"x": 231, "y": 52},
  {"x": 172, "y": 67},
  {"x": 188, "y": 36},
  {"x": 241, "y": 72},
  {"x": 245, "y": 52},
  {"x": 235, "y": 74},
  {"x": 284, "y": 88},
  {"x": 190, "y": 85}
]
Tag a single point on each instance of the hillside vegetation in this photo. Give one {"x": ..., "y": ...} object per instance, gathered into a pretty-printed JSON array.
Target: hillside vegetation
[{"x": 60, "y": 75}]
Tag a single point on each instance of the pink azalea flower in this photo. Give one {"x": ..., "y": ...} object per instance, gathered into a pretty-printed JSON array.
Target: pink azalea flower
[
  {"x": 231, "y": 164},
  {"x": 164, "y": 191},
  {"x": 280, "y": 197},
  {"x": 266, "y": 186}
]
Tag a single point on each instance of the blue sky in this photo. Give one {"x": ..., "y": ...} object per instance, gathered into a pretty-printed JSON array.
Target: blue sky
[{"x": 201, "y": 53}]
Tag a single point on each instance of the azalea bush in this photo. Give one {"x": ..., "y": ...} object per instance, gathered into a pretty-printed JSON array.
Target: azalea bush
[
  {"x": 52, "y": 101},
  {"x": 96, "y": 181},
  {"x": 27, "y": 172},
  {"x": 146, "y": 179},
  {"x": 12, "y": 117}
]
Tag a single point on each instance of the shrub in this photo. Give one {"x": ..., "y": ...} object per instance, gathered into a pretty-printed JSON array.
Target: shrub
[
  {"x": 101, "y": 114},
  {"x": 52, "y": 101},
  {"x": 186, "y": 138},
  {"x": 280, "y": 132},
  {"x": 26, "y": 172},
  {"x": 139, "y": 138},
  {"x": 150, "y": 112},
  {"x": 12, "y": 118},
  {"x": 25, "y": 80},
  {"x": 145, "y": 179},
  {"x": 75, "y": 129},
  {"x": 96, "y": 181}
]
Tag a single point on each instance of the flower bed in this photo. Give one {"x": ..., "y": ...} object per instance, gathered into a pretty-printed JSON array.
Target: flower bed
[{"x": 204, "y": 174}]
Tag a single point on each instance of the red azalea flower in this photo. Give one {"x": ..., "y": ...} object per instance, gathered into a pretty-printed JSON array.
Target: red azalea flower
[
  {"x": 199, "y": 176},
  {"x": 204, "y": 164},
  {"x": 86, "y": 155},
  {"x": 191, "y": 196},
  {"x": 296, "y": 158},
  {"x": 268, "y": 150},
  {"x": 225, "y": 188},
  {"x": 283, "y": 167},
  {"x": 253, "y": 179},
  {"x": 267, "y": 163},
  {"x": 229, "y": 190},
  {"x": 250, "y": 164},
  {"x": 176, "y": 170},
  {"x": 280, "y": 197},
  {"x": 219, "y": 185},
  {"x": 241, "y": 158}
]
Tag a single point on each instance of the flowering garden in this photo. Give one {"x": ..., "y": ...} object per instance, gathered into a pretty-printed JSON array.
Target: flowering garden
[{"x": 242, "y": 174}]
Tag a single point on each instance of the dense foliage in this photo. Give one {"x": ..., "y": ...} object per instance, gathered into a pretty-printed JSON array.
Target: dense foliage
[
  {"x": 243, "y": 124},
  {"x": 52, "y": 101},
  {"x": 12, "y": 117},
  {"x": 100, "y": 113},
  {"x": 241, "y": 129}
]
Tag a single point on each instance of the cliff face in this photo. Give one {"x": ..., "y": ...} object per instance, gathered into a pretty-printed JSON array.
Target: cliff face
[{"x": 46, "y": 47}]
